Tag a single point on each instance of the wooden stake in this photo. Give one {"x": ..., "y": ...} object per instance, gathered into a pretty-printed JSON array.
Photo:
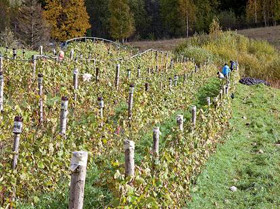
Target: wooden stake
[
  {"x": 194, "y": 115},
  {"x": 170, "y": 83},
  {"x": 1, "y": 91},
  {"x": 17, "y": 131},
  {"x": 96, "y": 74},
  {"x": 130, "y": 101},
  {"x": 101, "y": 107},
  {"x": 208, "y": 101},
  {"x": 156, "y": 133},
  {"x": 129, "y": 147},
  {"x": 63, "y": 115},
  {"x": 138, "y": 72},
  {"x": 75, "y": 82},
  {"x": 40, "y": 84},
  {"x": 176, "y": 78},
  {"x": 1, "y": 63},
  {"x": 146, "y": 86},
  {"x": 71, "y": 54},
  {"x": 78, "y": 177},
  {"x": 41, "y": 50},
  {"x": 128, "y": 74},
  {"x": 34, "y": 65},
  {"x": 40, "y": 87},
  {"x": 14, "y": 53},
  {"x": 117, "y": 78},
  {"x": 180, "y": 122}
]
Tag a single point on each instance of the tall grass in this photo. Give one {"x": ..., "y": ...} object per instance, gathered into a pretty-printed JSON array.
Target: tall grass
[{"x": 257, "y": 58}]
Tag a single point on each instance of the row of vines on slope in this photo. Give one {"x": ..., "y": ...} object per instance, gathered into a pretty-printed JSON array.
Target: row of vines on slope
[{"x": 162, "y": 89}]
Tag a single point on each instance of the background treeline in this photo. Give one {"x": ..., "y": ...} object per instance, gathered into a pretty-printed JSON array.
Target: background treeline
[{"x": 33, "y": 20}]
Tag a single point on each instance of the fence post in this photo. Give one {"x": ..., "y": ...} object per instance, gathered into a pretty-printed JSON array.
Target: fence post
[
  {"x": 117, "y": 78},
  {"x": 14, "y": 53},
  {"x": 176, "y": 78},
  {"x": 130, "y": 101},
  {"x": 208, "y": 99},
  {"x": 75, "y": 82},
  {"x": 221, "y": 94},
  {"x": 138, "y": 72},
  {"x": 41, "y": 50},
  {"x": 78, "y": 177},
  {"x": 101, "y": 107},
  {"x": 170, "y": 83},
  {"x": 128, "y": 73},
  {"x": 63, "y": 115},
  {"x": 40, "y": 87},
  {"x": 17, "y": 131},
  {"x": 194, "y": 115},
  {"x": 1, "y": 63},
  {"x": 71, "y": 54},
  {"x": 34, "y": 65},
  {"x": 129, "y": 147},
  {"x": 1, "y": 91},
  {"x": 146, "y": 86},
  {"x": 54, "y": 52},
  {"x": 156, "y": 133},
  {"x": 180, "y": 122},
  {"x": 227, "y": 89},
  {"x": 96, "y": 74}
]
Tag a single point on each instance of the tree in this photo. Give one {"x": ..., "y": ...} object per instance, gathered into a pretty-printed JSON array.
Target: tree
[
  {"x": 121, "y": 20},
  {"x": 32, "y": 29},
  {"x": 187, "y": 11},
  {"x": 68, "y": 18},
  {"x": 4, "y": 14}
]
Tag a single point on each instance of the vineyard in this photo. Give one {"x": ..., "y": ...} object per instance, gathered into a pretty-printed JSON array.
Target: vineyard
[{"x": 145, "y": 119}]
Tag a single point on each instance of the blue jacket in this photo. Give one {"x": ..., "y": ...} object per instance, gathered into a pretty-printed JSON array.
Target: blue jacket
[{"x": 226, "y": 70}]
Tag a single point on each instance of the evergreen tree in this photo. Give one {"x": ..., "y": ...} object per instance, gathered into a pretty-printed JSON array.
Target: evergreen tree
[
  {"x": 68, "y": 18},
  {"x": 121, "y": 20},
  {"x": 4, "y": 14},
  {"x": 32, "y": 28}
]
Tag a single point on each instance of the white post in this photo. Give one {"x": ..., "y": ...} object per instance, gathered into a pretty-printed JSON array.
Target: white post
[
  {"x": 63, "y": 115},
  {"x": 17, "y": 131},
  {"x": 1, "y": 63},
  {"x": 14, "y": 53},
  {"x": 194, "y": 115},
  {"x": 156, "y": 133},
  {"x": 208, "y": 99},
  {"x": 34, "y": 66},
  {"x": 78, "y": 177},
  {"x": 40, "y": 87},
  {"x": 128, "y": 74},
  {"x": 170, "y": 83},
  {"x": 96, "y": 74},
  {"x": 40, "y": 83},
  {"x": 71, "y": 54},
  {"x": 1, "y": 91},
  {"x": 130, "y": 101},
  {"x": 101, "y": 108},
  {"x": 138, "y": 72},
  {"x": 129, "y": 147},
  {"x": 176, "y": 78},
  {"x": 180, "y": 122},
  {"x": 41, "y": 50}
]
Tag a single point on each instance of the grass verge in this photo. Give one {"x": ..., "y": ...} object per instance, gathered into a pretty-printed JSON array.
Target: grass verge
[{"x": 247, "y": 158}]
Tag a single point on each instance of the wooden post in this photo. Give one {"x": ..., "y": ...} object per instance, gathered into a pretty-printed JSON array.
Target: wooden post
[
  {"x": 194, "y": 115},
  {"x": 14, "y": 53},
  {"x": 128, "y": 74},
  {"x": 63, "y": 115},
  {"x": 71, "y": 54},
  {"x": 23, "y": 52},
  {"x": 130, "y": 101},
  {"x": 78, "y": 177},
  {"x": 180, "y": 122},
  {"x": 170, "y": 83},
  {"x": 224, "y": 89},
  {"x": 54, "y": 52},
  {"x": 138, "y": 72},
  {"x": 176, "y": 78},
  {"x": 1, "y": 63},
  {"x": 208, "y": 99},
  {"x": 17, "y": 131},
  {"x": 40, "y": 87},
  {"x": 34, "y": 65},
  {"x": 129, "y": 147},
  {"x": 75, "y": 82},
  {"x": 117, "y": 78},
  {"x": 96, "y": 74},
  {"x": 221, "y": 94},
  {"x": 227, "y": 89},
  {"x": 156, "y": 133},
  {"x": 101, "y": 107},
  {"x": 41, "y": 50},
  {"x": 146, "y": 86},
  {"x": 1, "y": 91}
]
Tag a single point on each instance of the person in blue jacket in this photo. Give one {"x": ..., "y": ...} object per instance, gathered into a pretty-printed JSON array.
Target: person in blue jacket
[{"x": 226, "y": 71}]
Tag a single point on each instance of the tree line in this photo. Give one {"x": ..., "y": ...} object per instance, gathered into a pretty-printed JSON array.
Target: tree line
[{"x": 35, "y": 22}]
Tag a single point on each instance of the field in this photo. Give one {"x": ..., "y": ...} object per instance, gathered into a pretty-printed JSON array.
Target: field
[
  {"x": 270, "y": 34},
  {"x": 139, "y": 93}
]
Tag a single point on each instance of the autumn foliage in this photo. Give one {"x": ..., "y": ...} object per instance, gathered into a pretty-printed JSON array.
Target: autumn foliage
[{"x": 68, "y": 19}]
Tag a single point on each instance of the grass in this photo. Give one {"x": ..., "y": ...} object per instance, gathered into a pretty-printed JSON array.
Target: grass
[
  {"x": 270, "y": 34},
  {"x": 248, "y": 157}
]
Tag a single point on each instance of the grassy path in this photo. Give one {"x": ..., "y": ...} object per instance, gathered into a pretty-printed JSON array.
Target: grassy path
[{"x": 247, "y": 158}]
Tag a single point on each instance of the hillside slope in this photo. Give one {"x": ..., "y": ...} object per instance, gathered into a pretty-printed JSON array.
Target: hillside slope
[{"x": 249, "y": 158}]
